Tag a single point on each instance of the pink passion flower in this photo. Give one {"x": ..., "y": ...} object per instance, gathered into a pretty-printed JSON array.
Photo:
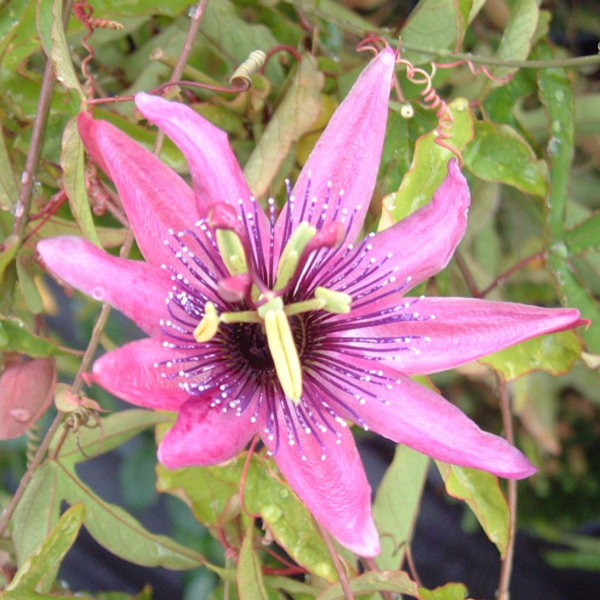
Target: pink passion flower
[{"x": 289, "y": 327}]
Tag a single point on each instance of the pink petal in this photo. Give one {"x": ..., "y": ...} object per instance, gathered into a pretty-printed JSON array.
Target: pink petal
[
  {"x": 216, "y": 173},
  {"x": 130, "y": 374},
  {"x": 335, "y": 490},
  {"x": 26, "y": 391},
  {"x": 155, "y": 197},
  {"x": 136, "y": 288},
  {"x": 409, "y": 413},
  {"x": 347, "y": 153},
  {"x": 420, "y": 245},
  {"x": 205, "y": 436},
  {"x": 463, "y": 330}
]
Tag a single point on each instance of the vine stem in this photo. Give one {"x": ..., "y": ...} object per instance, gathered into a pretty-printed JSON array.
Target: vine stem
[
  {"x": 337, "y": 562},
  {"x": 507, "y": 563},
  {"x": 578, "y": 62},
  {"x": 502, "y": 278},
  {"x": 30, "y": 168},
  {"x": 370, "y": 562}
]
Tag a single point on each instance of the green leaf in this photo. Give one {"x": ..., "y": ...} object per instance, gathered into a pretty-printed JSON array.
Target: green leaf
[
  {"x": 582, "y": 561},
  {"x": 26, "y": 272},
  {"x": 20, "y": 339},
  {"x": 114, "y": 430},
  {"x": 586, "y": 236},
  {"x": 249, "y": 571},
  {"x": 499, "y": 153},
  {"x": 109, "y": 237},
  {"x": 145, "y": 594},
  {"x": 450, "y": 591},
  {"x": 72, "y": 163},
  {"x": 517, "y": 37},
  {"x": 38, "y": 511},
  {"x": 574, "y": 293},
  {"x": 121, "y": 534},
  {"x": 481, "y": 491},
  {"x": 435, "y": 24},
  {"x": 396, "y": 505},
  {"x": 294, "y": 117},
  {"x": 52, "y": 34},
  {"x": 11, "y": 245},
  {"x": 382, "y": 581},
  {"x": 49, "y": 555},
  {"x": 9, "y": 193},
  {"x": 212, "y": 493},
  {"x": 429, "y": 165},
  {"x": 556, "y": 353},
  {"x": 287, "y": 517},
  {"x": 556, "y": 94}
]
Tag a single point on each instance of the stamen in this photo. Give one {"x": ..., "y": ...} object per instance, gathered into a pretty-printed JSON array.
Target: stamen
[
  {"x": 335, "y": 302},
  {"x": 209, "y": 325}
]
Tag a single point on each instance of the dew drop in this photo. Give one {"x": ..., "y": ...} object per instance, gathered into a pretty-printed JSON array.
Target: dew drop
[{"x": 98, "y": 293}]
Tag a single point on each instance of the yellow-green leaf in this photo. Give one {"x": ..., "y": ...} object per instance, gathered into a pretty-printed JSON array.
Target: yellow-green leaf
[
  {"x": 72, "y": 163},
  {"x": 429, "y": 166},
  {"x": 481, "y": 491},
  {"x": 555, "y": 353},
  {"x": 249, "y": 571}
]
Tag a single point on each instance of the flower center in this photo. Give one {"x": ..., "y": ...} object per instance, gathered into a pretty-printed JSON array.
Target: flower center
[{"x": 271, "y": 314}]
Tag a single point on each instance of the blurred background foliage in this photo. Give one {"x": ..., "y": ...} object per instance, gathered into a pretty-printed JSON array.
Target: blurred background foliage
[{"x": 531, "y": 148}]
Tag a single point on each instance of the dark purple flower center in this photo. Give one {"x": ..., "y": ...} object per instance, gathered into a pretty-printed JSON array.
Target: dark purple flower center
[{"x": 241, "y": 357}]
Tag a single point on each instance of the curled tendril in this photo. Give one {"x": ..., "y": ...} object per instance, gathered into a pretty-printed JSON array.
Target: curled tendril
[
  {"x": 242, "y": 76},
  {"x": 475, "y": 70},
  {"x": 88, "y": 418},
  {"x": 433, "y": 101}
]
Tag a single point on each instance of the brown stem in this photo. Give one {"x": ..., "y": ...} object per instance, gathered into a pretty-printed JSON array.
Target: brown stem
[
  {"x": 183, "y": 58},
  {"x": 507, "y": 563},
  {"x": 502, "y": 278},
  {"x": 466, "y": 273},
  {"x": 411, "y": 565},
  {"x": 337, "y": 563},
  {"x": 37, "y": 140}
]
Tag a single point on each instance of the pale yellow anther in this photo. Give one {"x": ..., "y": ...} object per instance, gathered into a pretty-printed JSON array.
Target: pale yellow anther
[
  {"x": 284, "y": 353},
  {"x": 209, "y": 325},
  {"x": 335, "y": 302},
  {"x": 292, "y": 253},
  {"x": 232, "y": 251}
]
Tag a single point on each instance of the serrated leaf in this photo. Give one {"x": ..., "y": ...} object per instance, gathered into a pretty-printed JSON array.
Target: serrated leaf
[
  {"x": 584, "y": 237},
  {"x": 397, "y": 503},
  {"x": 382, "y": 581},
  {"x": 429, "y": 166},
  {"x": 249, "y": 571},
  {"x": 450, "y": 591},
  {"x": 556, "y": 353},
  {"x": 20, "y": 339},
  {"x": 122, "y": 534},
  {"x": 436, "y": 24},
  {"x": 49, "y": 555},
  {"x": 499, "y": 153},
  {"x": 481, "y": 491},
  {"x": 9, "y": 193},
  {"x": 72, "y": 163},
  {"x": 294, "y": 117},
  {"x": 517, "y": 37},
  {"x": 25, "y": 273},
  {"x": 114, "y": 430}
]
